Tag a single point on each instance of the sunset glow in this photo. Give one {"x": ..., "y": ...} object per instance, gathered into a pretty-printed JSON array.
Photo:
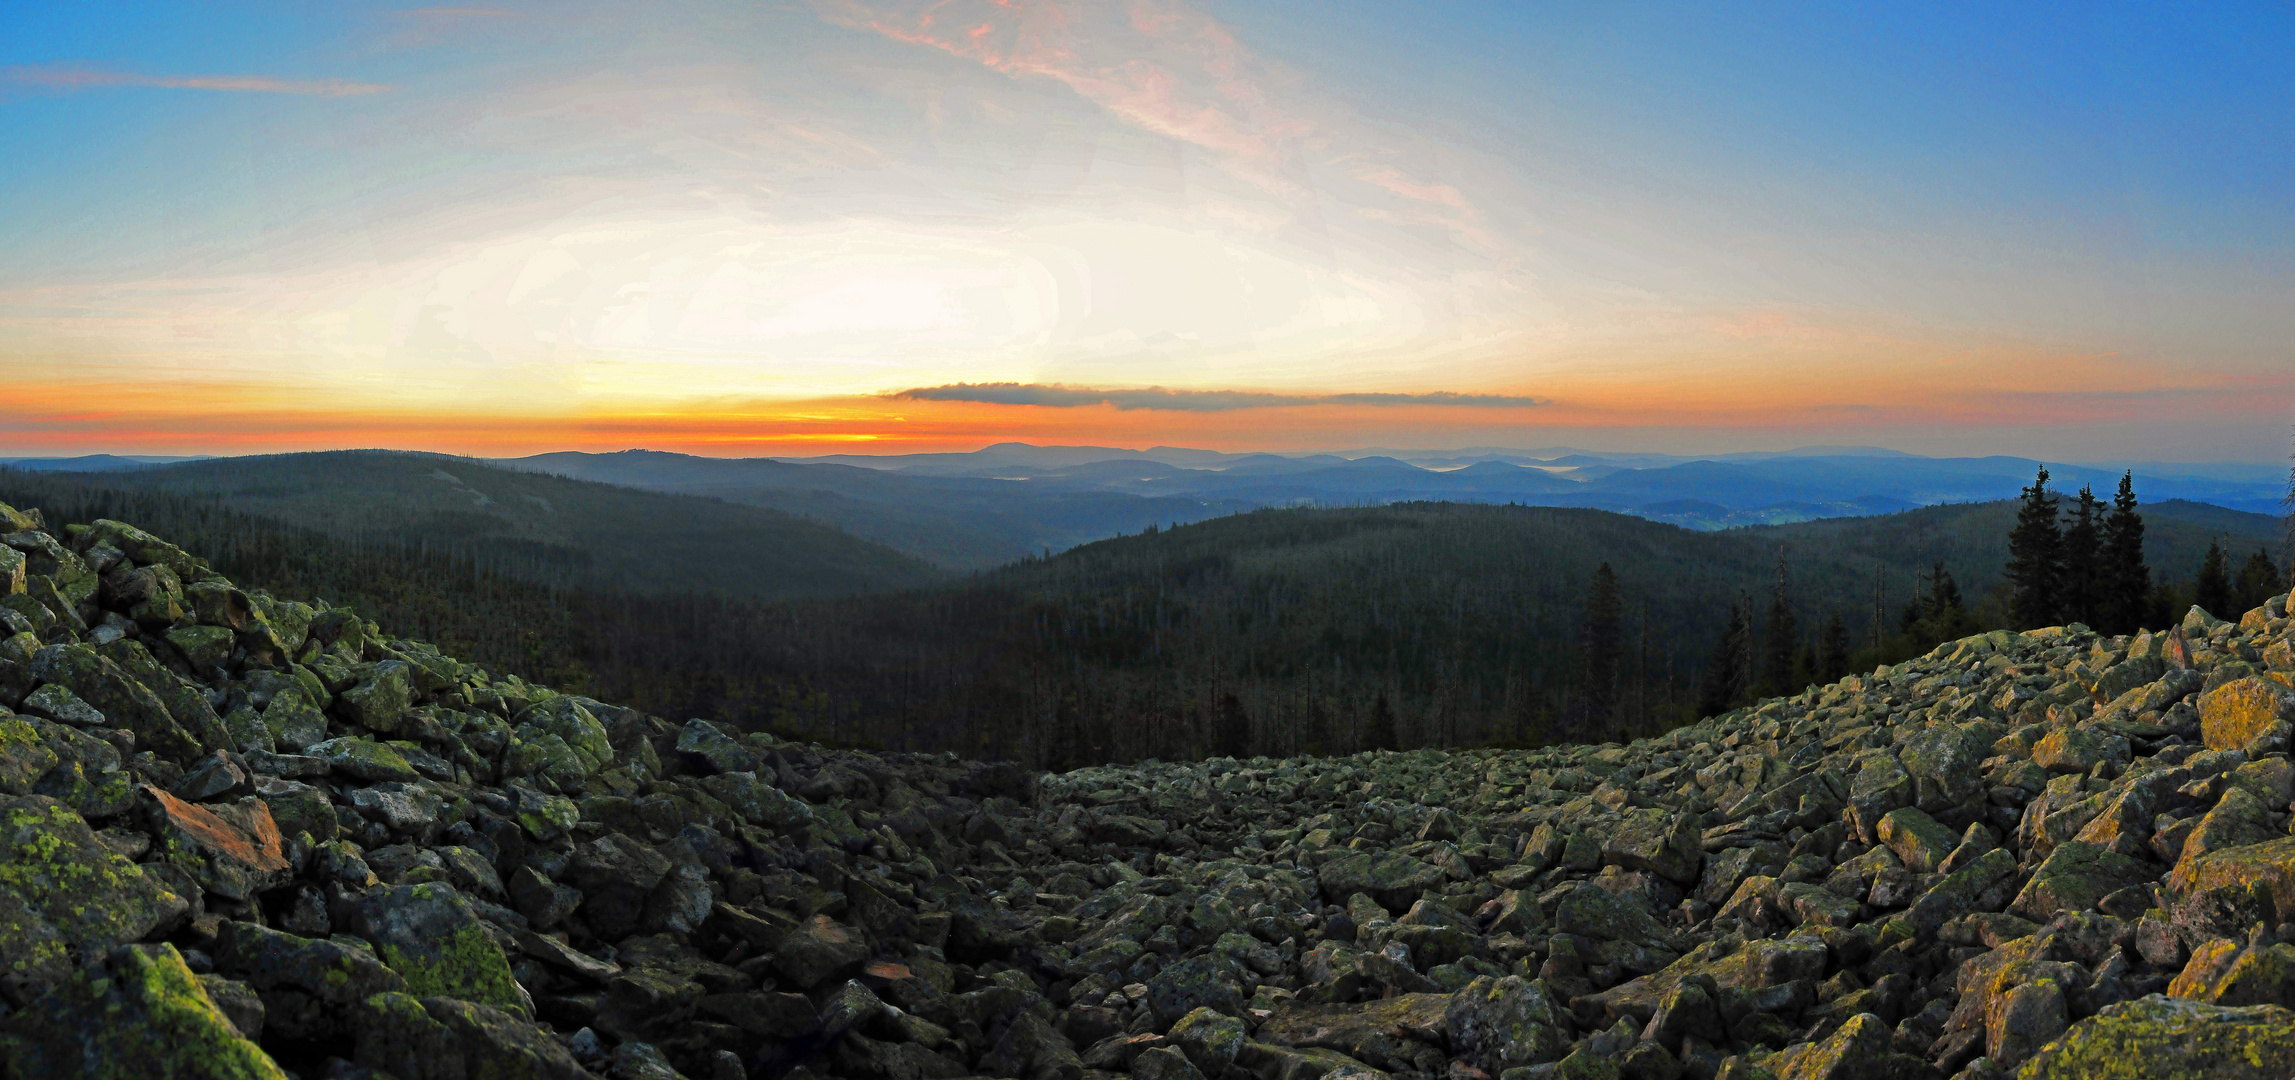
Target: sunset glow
[{"x": 747, "y": 230}]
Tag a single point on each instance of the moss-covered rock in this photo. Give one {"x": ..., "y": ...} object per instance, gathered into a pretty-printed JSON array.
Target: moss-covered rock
[
  {"x": 125, "y": 702},
  {"x": 1500, "y": 1024},
  {"x": 446, "y": 1038},
  {"x": 2271, "y": 865},
  {"x": 143, "y": 547},
  {"x": 138, "y": 1015},
  {"x": 430, "y": 935},
  {"x": 566, "y": 742},
  {"x": 1207, "y": 981},
  {"x": 364, "y": 759},
  {"x": 202, "y": 646},
  {"x": 702, "y": 742},
  {"x": 24, "y": 756},
  {"x": 2163, "y": 1038},
  {"x": 1660, "y": 841},
  {"x": 758, "y": 802},
  {"x": 294, "y": 720},
  {"x": 379, "y": 702},
  {"x": 186, "y": 702},
  {"x": 1392, "y": 879},
  {"x": 64, "y": 895},
  {"x": 2074, "y": 877},
  {"x": 311, "y": 988},
  {"x": 1917, "y": 839}
]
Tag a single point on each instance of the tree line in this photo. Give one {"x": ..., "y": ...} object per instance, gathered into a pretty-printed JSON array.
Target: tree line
[
  {"x": 1278, "y": 631},
  {"x": 2073, "y": 560}
]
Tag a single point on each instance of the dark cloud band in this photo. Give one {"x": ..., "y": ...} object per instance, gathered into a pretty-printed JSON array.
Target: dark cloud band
[{"x": 1055, "y": 395}]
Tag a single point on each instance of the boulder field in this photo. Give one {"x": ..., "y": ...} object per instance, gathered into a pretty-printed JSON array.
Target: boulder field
[{"x": 243, "y": 836}]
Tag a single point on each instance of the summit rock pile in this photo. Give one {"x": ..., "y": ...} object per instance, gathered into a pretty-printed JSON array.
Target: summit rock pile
[{"x": 250, "y": 837}]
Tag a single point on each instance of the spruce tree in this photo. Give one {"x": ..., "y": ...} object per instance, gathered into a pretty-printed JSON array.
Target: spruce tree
[
  {"x": 1604, "y": 638},
  {"x": 1947, "y": 606},
  {"x": 1723, "y": 687},
  {"x": 2083, "y": 560},
  {"x": 1383, "y": 727},
  {"x": 2035, "y": 553},
  {"x": 1745, "y": 675},
  {"x": 2258, "y": 581},
  {"x": 2127, "y": 582},
  {"x": 2213, "y": 589},
  {"x": 1231, "y": 728},
  {"x": 1833, "y": 649},
  {"x": 1777, "y": 657}
]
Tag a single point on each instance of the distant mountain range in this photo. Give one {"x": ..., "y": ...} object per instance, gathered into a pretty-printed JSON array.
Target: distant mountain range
[
  {"x": 1710, "y": 491},
  {"x": 976, "y": 510}
]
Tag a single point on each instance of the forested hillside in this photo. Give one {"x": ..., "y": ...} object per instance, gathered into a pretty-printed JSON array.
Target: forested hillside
[
  {"x": 955, "y": 522},
  {"x": 1269, "y": 632},
  {"x": 546, "y": 529}
]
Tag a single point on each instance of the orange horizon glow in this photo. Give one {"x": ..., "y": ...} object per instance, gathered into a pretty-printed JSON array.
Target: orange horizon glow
[{"x": 1812, "y": 398}]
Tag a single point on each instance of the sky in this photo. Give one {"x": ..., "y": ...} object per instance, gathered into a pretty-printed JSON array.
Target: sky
[{"x": 786, "y": 228}]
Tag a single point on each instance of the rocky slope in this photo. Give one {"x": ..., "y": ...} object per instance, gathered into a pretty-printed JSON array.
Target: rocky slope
[{"x": 246, "y": 837}]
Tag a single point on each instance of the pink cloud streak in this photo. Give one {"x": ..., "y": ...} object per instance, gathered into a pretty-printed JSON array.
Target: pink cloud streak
[{"x": 1161, "y": 66}]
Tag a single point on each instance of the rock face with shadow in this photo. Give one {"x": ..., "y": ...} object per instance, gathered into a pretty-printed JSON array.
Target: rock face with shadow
[{"x": 245, "y": 836}]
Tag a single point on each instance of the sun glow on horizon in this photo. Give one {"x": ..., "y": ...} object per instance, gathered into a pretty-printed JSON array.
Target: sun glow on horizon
[{"x": 713, "y": 227}]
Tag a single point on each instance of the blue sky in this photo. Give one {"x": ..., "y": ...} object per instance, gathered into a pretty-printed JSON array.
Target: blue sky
[{"x": 2051, "y": 231}]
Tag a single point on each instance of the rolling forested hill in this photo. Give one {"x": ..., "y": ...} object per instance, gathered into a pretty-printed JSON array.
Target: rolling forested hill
[
  {"x": 546, "y": 529},
  {"x": 1268, "y": 632},
  {"x": 1436, "y": 623},
  {"x": 956, "y": 522}
]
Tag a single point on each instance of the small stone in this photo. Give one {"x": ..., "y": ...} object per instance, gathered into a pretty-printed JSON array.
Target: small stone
[
  {"x": 54, "y": 702},
  {"x": 703, "y": 742},
  {"x": 1917, "y": 839},
  {"x": 364, "y": 759},
  {"x": 818, "y": 951},
  {"x": 210, "y": 777},
  {"x": 1164, "y": 1063}
]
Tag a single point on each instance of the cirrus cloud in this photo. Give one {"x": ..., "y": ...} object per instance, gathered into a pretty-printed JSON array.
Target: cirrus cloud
[
  {"x": 1055, "y": 395},
  {"x": 84, "y": 78}
]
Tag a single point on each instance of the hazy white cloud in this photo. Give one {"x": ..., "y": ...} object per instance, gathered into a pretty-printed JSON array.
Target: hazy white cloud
[{"x": 84, "y": 78}]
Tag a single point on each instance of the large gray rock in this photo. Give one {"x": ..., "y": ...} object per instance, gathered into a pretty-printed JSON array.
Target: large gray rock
[
  {"x": 137, "y": 1013},
  {"x": 1395, "y": 881},
  {"x": 311, "y": 988},
  {"x": 65, "y": 895},
  {"x": 430, "y": 935},
  {"x": 444, "y": 1038}
]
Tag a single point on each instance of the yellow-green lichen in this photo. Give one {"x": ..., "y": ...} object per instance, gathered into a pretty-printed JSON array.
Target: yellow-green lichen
[
  {"x": 145, "y": 1016},
  {"x": 2162, "y": 1038},
  {"x": 466, "y": 965}
]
